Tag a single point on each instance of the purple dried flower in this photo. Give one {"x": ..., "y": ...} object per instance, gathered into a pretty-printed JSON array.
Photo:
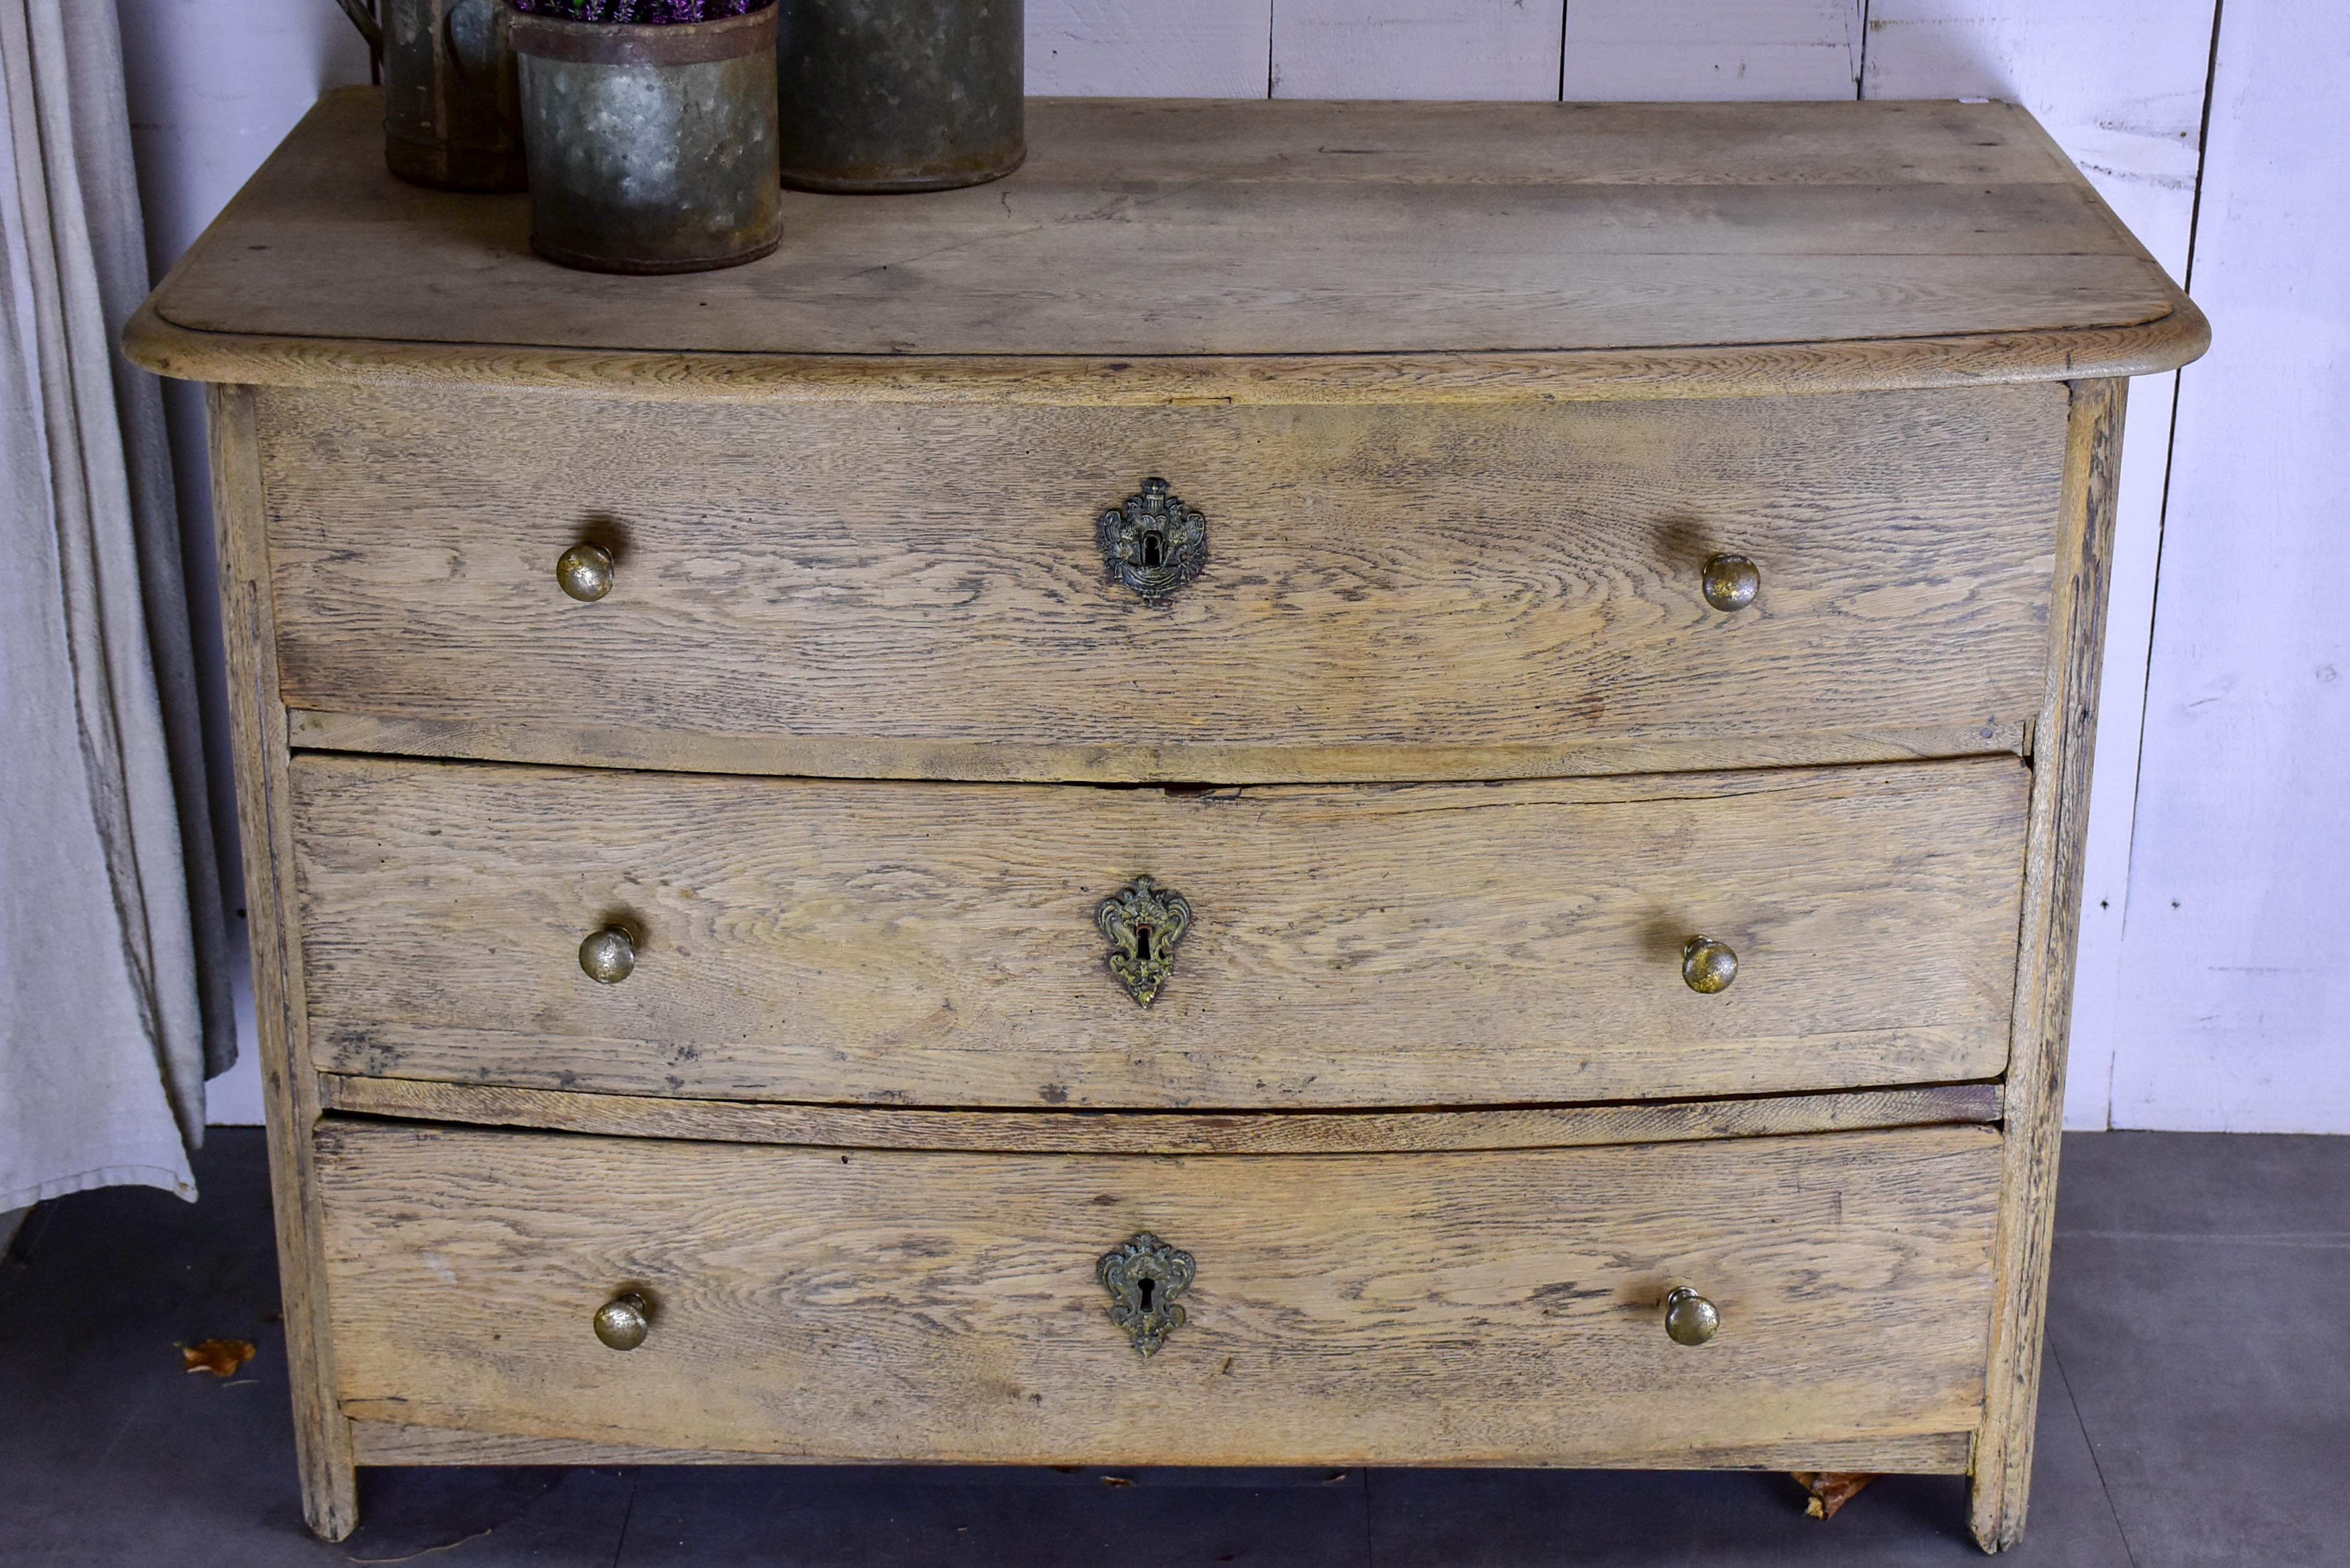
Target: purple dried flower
[{"x": 644, "y": 13}]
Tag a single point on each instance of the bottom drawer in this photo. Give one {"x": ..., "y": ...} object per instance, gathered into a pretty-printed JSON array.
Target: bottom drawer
[{"x": 1440, "y": 1308}]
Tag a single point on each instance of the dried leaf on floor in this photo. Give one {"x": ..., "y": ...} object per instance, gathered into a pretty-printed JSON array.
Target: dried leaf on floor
[
  {"x": 1830, "y": 1490},
  {"x": 221, "y": 1357}
]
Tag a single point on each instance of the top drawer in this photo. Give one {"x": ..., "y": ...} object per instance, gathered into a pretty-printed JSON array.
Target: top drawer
[{"x": 1421, "y": 591}]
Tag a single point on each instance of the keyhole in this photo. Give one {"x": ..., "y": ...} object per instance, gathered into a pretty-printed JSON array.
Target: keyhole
[
  {"x": 1149, "y": 1287},
  {"x": 1151, "y": 549},
  {"x": 1143, "y": 944}
]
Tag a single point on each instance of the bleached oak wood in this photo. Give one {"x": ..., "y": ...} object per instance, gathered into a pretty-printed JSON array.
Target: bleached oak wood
[
  {"x": 1353, "y": 946},
  {"x": 399, "y": 1443},
  {"x": 2100, "y": 1025},
  {"x": 1471, "y": 1308},
  {"x": 1741, "y": 51},
  {"x": 1572, "y": 376},
  {"x": 1149, "y": 1132},
  {"x": 1143, "y": 229},
  {"x": 1449, "y": 49},
  {"x": 1518, "y": 589},
  {"x": 627, "y": 746},
  {"x": 322, "y": 1439},
  {"x": 2118, "y": 84},
  {"x": 2063, "y": 746},
  {"x": 1402, "y": 314}
]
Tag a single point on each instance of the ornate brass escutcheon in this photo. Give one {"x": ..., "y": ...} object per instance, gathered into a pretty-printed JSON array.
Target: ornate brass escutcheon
[
  {"x": 1154, "y": 544},
  {"x": 1143, "y": 923},
  {"x": 1144, "y": 1277}
]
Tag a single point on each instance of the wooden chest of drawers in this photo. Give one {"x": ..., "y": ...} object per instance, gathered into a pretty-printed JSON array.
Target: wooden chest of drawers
[{"x": 1514, "y": 909}]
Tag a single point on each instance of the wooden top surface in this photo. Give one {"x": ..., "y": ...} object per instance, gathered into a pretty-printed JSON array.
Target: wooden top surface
[{"x": 1461, "y": 242}]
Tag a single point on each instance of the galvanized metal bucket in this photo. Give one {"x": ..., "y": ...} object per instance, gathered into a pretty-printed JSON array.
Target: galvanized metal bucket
[
  {"x": 900, "y": 95},
  {"x": 451, "y": 101},
  {"x": 652, "y": 148}
]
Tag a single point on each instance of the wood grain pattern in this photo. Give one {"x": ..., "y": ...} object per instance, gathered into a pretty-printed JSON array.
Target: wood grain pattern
[
  {"x": 1151, "y": 1132},
  {"x": 1151, "y": 229},
  {"x": 401, "y": 1443},
  {"x": 2043, "y": 983},
  {"x": 1468, "y": 393},
  {"x": 2118, "y": 85},
  {"x": 1510, "y": 583},
  {"x": 1472, "y": 1308},
  {"x": 933, "y": 944},
  {"x": 322, "y": 1440},
  {"x": 865, "y": 757},
  {"x": 1581, "y": 375}
]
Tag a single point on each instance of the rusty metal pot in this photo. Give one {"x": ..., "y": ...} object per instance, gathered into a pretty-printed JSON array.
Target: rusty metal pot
[
  {"x": 452, "y": 101},
  {"x": 652, "y": 148},
  {"x": 900, "y": 95}
]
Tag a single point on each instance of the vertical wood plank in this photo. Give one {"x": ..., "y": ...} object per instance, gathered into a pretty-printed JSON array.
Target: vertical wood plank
[
  {"x": 1169, "y": 48},
  {"x": 2098, "y": 1001},
  {"x": 1415, "y": 49},
  {"x": 2233, "y": 1015},
  {"x": 322, "y": 1437},
  {"x": 2063, "y": 746},
  {"x": 1665, "y": 50},
  {"x": 2120, "y": 88}
]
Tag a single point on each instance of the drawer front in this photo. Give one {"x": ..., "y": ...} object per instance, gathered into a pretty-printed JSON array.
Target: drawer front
[
  {"x": 942, "y": 944},
  {"x": 1466, "y": 1308},
  {"x": 1390, "y": 592}
]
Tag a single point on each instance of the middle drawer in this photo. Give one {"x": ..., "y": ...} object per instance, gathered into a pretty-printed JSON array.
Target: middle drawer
[{"x": 1361, "y": 945}]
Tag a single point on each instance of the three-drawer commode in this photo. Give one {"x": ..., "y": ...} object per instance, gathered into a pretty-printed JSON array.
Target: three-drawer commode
[{"x": 1317, "y": 784}]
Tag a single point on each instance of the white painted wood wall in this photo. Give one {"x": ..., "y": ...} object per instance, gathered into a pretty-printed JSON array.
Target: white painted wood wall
[{"x": 2209, "y": 996}]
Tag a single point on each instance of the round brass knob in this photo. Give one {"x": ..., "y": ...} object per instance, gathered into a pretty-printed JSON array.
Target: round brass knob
[
  {"x": 621, "y": 1321},
  {"x": 1689, "y": 1318},
  {"x": 1707, "y": 965},
  {"x": 585, "y": 572},
  {"x": 609, "y": 956},
  {"x": 1731, "y": 582}
]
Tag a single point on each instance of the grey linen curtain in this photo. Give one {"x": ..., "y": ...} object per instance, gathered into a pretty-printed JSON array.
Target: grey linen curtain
[{"x": 113, "y": 999}]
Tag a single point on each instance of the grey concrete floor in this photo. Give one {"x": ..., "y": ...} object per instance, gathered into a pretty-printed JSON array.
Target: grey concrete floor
[{"x": 2196, "y": 1411}]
